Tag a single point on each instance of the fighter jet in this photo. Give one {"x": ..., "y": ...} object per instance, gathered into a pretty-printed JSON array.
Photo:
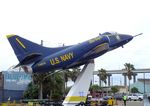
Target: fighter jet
[{"x": 35, "y": 58}]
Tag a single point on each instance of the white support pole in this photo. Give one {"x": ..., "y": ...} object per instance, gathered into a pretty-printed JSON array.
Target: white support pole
[{"x": 79, "y": 90}]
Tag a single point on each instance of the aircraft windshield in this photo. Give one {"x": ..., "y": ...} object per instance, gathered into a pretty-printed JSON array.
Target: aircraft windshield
[{"x": 110, "y": 33}]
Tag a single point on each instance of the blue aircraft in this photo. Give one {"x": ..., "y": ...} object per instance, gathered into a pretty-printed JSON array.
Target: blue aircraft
[{"x": 36, "y": 58}]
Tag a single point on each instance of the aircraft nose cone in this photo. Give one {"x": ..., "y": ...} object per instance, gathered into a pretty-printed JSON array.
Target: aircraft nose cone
[{"x": 127, "y": 38}]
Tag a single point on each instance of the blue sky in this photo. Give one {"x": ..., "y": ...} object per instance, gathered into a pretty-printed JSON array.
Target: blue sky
[{"x": 74, "y": 21}]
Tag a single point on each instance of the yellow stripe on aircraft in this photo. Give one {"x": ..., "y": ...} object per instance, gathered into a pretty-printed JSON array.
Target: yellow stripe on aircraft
[
  {"x": 75, "y": 98},
  {"x": 20, "y": 43},
  {"x": 10, "y": 35},
  {"x": 103, "y": 44}
]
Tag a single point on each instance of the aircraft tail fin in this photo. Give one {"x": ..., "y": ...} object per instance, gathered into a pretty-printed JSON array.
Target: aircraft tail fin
[{"x": 25, "y": 50}]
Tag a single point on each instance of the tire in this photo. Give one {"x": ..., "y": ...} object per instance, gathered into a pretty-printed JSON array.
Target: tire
[
  {"x": 130, "y": 99},
  {"x": 140, "y": 99}
]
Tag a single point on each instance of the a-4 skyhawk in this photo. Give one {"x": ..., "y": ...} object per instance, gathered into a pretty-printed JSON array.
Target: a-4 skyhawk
[{"x": 36, "y": 58}]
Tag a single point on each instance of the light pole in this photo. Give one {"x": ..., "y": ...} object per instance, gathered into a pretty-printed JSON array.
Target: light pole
[
  {"x": 2, "y": 85},
  {"x": 42, "y": 42},
  {"x": 144, "y": 81},
  {"x": 112, "y": 81}
]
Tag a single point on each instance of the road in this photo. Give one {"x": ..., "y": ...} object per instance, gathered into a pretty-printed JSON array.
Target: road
[{"x": 131, "y": 103}]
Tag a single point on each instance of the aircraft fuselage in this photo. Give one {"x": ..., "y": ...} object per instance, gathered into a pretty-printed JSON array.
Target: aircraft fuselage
[
  {"x": 36, "y": 58},
  {"x": 73, "y": 55}
]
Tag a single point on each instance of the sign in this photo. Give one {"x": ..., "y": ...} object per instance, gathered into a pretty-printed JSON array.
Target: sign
[{"x": 16, "y": 80}]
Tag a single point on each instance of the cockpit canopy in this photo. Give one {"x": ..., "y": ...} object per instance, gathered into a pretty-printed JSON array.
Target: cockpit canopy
[
  {"x": 113, "y": 37},
  {"x": 110, "y": 33}
]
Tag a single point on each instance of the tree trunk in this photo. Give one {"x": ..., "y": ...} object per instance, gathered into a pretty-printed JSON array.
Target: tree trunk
[
  {"x": 129, "y": 87},
  {"x": 100, "y": 82},
  {"x": 41, "y": 91},
  {"x": 50, "y": 95},
  {"x": 64, "y": 88}
]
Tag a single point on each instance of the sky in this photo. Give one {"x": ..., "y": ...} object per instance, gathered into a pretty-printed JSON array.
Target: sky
[{"x": 73, "y": 21}]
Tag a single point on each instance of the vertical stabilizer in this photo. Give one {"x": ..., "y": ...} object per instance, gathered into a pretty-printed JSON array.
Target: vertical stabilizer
[{"x": 24, "y": 48}]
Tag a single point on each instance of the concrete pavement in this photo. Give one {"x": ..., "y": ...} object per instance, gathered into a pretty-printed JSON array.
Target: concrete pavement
[{"x": 130, "y": 103}]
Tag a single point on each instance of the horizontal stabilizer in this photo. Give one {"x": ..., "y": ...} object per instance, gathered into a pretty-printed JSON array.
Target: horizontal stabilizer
[{"x": 29, "y": 59}]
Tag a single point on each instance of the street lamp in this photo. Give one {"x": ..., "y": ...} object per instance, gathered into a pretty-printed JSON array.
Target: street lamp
[
  {"x": 144, "y": 81},
  {"x": 2, "y": 85}
]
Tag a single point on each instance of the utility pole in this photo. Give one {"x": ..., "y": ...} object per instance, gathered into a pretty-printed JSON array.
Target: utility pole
[
  {"x": 112, "y": 81},
  {"x": 41, "y": 83},
  {"x": 42, "y": 42},
  {"x": 144, "y": 82},
  {"x": 2, "y": 85}
]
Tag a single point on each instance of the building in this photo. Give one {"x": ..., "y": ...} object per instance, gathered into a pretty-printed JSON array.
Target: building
[
  {"x": 13, "y": 84},
  {"x": 143, "y": 85}
]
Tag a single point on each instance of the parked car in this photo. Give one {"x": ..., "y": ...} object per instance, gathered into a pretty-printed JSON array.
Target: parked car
[
  {"x": 118, "y": 96},
  {"x": 140, "y": 96},
  {"x": 95, "y": 101},
  {"x": 135, "y": 96},
  {"x": 107, "y": 97}
]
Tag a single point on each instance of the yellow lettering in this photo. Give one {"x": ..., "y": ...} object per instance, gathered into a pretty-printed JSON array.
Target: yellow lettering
[
  {"x": 66, "y": 57},
  {"x": 71, "y": 54},
  {"x": 52, "y": 62},
  {"x": 57, "y": 60},
  {"x": 62, "y": 58}
]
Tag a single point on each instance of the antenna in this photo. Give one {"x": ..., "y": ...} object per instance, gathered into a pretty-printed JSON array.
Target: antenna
[{"x": 137, "y": 34}]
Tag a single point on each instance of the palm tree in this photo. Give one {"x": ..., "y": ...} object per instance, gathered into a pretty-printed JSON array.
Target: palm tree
[
  {"x": 66, "y": 76},
  {"x": 129, "y": 68},
  {"x": 41, "y": 79},
  {"x": 57, "y": 91},
  {"x": 49, "y": 84},
  {"x": 38, "y": 79},
  {"x": 95, "y": 88},
  {"x": 74, "y": 73},
  {"x": 102, "y": 76}
]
